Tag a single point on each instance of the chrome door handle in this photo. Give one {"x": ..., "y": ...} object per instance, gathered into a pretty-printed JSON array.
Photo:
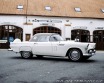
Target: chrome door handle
[
  {"x": 61, "y": 44},
  {"x": 35, "y": 43}
]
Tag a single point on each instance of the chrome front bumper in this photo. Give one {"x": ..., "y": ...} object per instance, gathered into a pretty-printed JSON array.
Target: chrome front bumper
[{"x": 90, "y": 52}]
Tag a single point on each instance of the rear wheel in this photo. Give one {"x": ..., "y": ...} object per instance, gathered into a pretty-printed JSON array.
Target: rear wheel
[
  {"x": 75, "y": 55},
  {"x": 26, "y": 54}
]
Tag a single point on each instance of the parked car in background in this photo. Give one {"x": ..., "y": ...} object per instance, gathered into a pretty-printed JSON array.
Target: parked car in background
[{"x": 52, "y": 44}]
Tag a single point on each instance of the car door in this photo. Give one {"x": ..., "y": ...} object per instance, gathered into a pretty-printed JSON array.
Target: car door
[
  {"x": 42, "y": 46},
  {"x": 58, "y": 49},
  {"x": 57, "y": 46}
]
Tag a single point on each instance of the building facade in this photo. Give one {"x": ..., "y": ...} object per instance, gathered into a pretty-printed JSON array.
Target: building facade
[{"x": 20, "y": 21}]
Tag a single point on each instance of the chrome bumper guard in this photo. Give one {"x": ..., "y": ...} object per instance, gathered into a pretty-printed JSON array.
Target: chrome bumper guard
[{"x": 92, "y": 51}]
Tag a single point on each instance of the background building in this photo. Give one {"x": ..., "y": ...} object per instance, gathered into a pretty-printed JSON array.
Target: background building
[{"x": 69, "y": 18}]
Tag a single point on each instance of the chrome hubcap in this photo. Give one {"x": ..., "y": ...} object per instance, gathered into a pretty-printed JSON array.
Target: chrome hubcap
[
  {"x": 75, "y": 55},
  {"x": 26, "y": 54}
]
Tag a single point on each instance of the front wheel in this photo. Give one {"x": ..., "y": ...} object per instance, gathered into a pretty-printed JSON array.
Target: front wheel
[
  {"x": 75, "y": 55},
  {"x": 26, "y": 54}
]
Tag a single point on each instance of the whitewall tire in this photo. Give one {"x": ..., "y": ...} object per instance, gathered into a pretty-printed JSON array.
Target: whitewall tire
[
  {"x": 26, "y": 54},
  {"x": 75, "y": 55}
]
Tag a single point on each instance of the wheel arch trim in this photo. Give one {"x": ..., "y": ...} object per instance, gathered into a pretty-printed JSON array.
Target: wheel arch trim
[{"x": 73, "y": 48}]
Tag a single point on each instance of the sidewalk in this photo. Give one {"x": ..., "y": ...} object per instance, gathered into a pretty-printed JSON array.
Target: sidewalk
[
  {"x": 3, "y": 49},
  {"x": 99, "y": 51}
]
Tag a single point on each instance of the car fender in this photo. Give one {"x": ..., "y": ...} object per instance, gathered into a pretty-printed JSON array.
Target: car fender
[
  {"x": 73, "y": 48},
  {"x": 25, "y": 48}
]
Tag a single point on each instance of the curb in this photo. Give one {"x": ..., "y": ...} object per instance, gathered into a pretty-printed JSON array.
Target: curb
[
  {"x": 99, "y": 51},
  {"x": 3, "y": 49}
]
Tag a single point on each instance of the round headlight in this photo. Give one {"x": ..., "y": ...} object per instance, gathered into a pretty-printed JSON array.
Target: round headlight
[{"x": 90, "y": 51}]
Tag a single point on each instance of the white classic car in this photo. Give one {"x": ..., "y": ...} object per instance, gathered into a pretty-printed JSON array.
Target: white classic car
[{"x": 52, "y": 44}]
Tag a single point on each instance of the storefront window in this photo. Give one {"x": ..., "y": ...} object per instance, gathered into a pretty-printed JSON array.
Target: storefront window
[
  {"x": 8, "y": 33},
  {"x": 98, "y": 38},
  {"x": 46, "y": 29}
]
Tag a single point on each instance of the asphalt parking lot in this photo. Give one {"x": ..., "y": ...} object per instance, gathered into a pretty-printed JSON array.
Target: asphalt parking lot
[{"x": 14, "y": 69}]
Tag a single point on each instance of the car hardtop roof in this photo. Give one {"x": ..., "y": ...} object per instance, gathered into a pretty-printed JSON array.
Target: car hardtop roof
[{"x": 48, "y": 34}]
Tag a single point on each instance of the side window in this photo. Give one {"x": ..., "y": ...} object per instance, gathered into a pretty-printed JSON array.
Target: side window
[
  {"x": 53, "y": 38},
  {"x": 43, "y": 39},
  {"x": 33, "y": 39},
  {"x": 40, "y": 38}
]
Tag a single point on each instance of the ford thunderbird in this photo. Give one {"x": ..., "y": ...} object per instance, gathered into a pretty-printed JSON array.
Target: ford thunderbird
[{"x": 52, "y": 44}]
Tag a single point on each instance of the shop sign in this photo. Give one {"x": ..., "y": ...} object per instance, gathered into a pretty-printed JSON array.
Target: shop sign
[
  {"x": 3, "y": 41},
  {"x": 80, "y": 27},
  {"x": 67, "y": 24},
  {"x": 8, "y": 23},
  {"x": 100, "y": 28},
  {"x": 47, "y": 24}
]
